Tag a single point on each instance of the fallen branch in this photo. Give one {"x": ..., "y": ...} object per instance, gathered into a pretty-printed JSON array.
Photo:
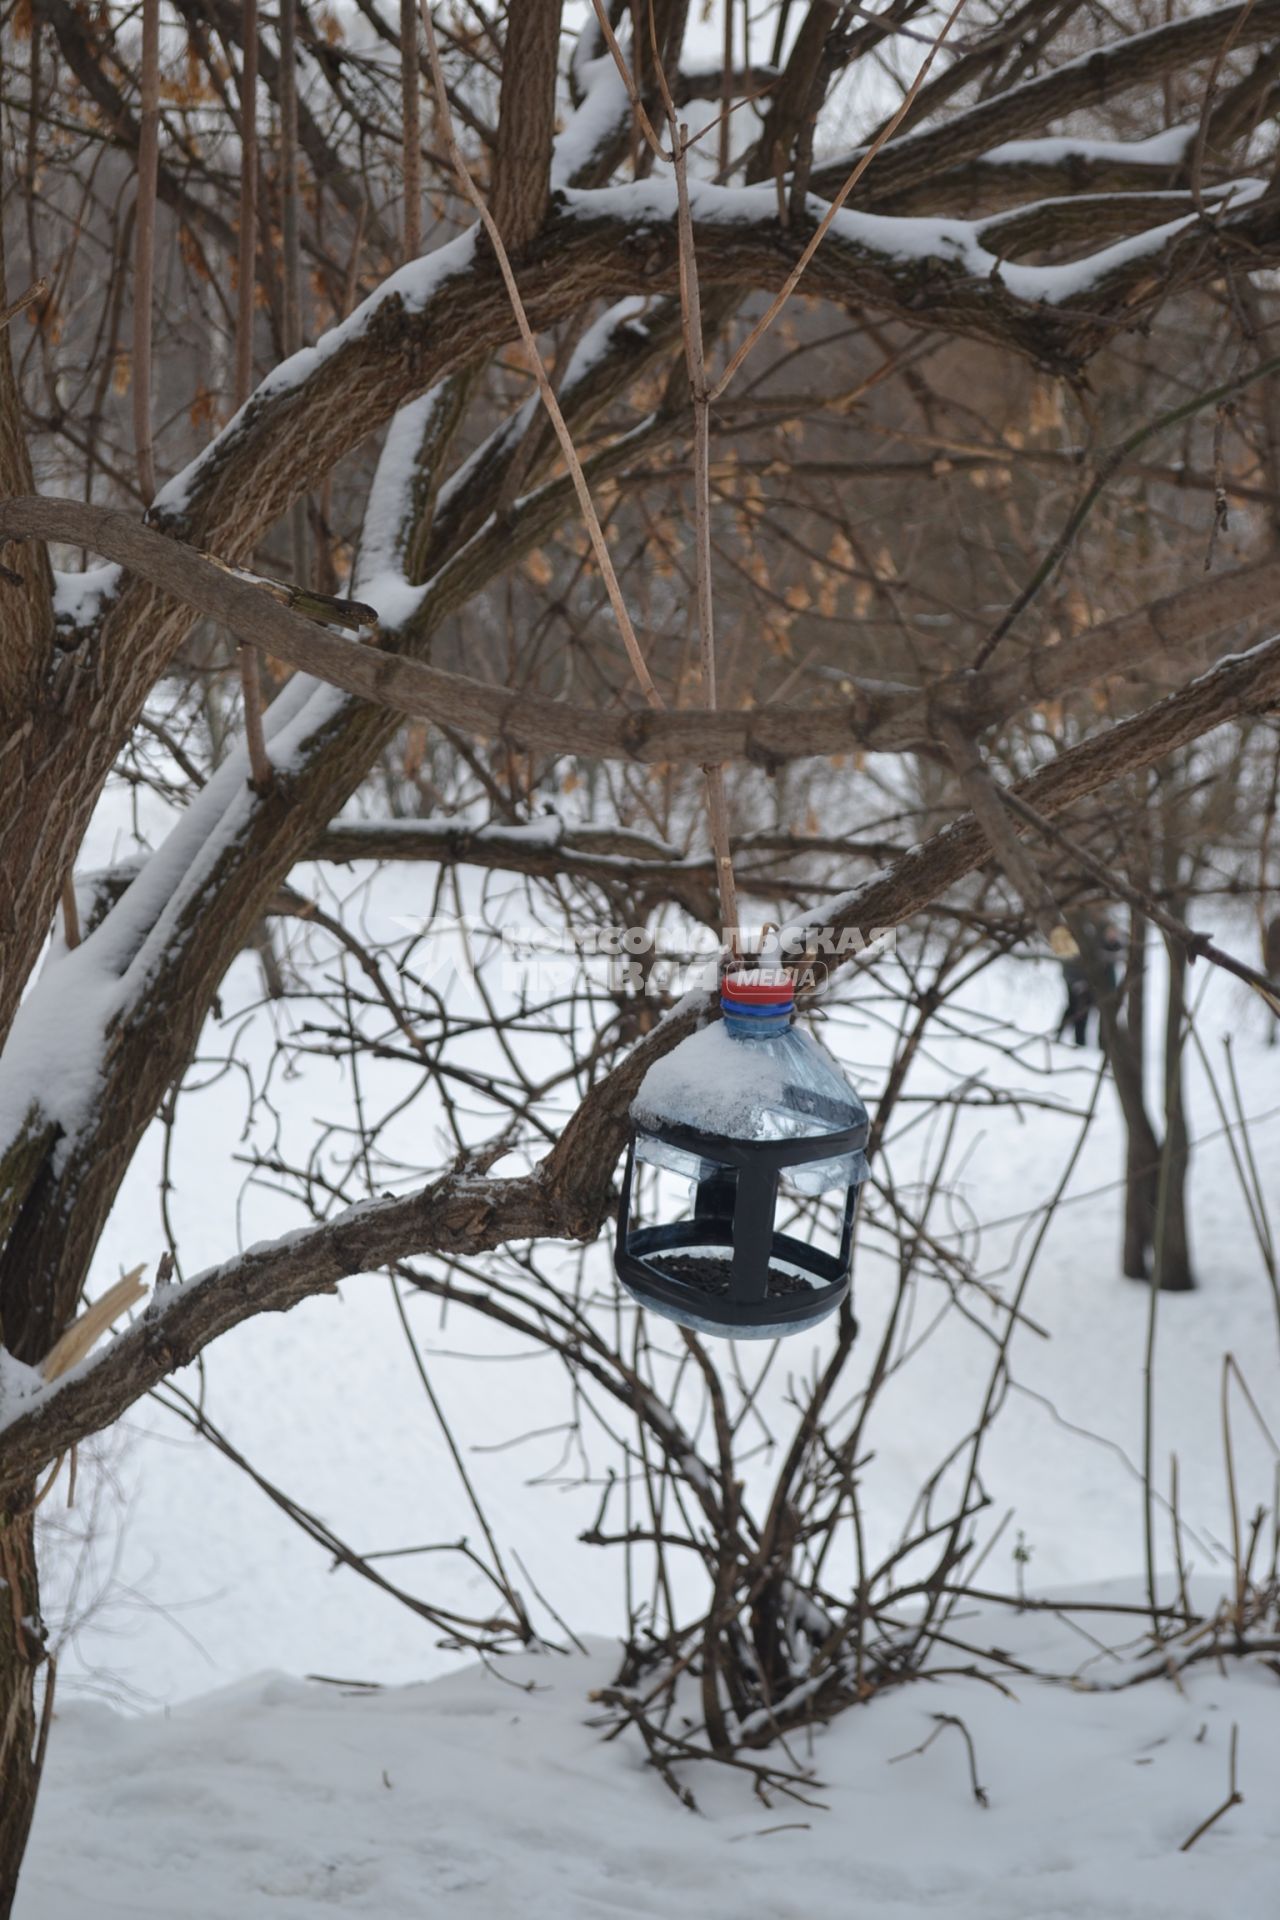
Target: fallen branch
[
  {"x": 1234, "y": 1797},
  {"x": 945, "y": 1720}
]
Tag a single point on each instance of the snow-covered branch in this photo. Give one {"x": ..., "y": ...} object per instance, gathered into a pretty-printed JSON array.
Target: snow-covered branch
[
  {"x": 40, "y": 1420},
  {"x": 432, "y": 316},
  {"x": 1103, "y": 73}
]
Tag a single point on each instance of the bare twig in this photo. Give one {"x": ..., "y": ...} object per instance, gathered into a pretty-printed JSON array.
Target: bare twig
[
  {"x": 145, "y": 248},
  {"x": 46, "y": 1713},
  {"x": 247, "y": 658},
  {"x": 507, "y": 1587},
  {"x": 793, "y": 279},
  {"x": 1108, "y": 466},
  {"x": 1234, "y": 1797},
  {"x": 945, "y": 1720},
  {"x": 36, "y": 291},
  {"x": 1198, "y": 945},
  {"x": 291, "y": 262},
  {"x": 983, "y": 795},
  {"x": 411, "y": 128},
  {"x": 1233, "y": 1497},
  {"x": 643, "y": 121},
  {"x": 246, "y": 290},
  {"x": 534, "y": 358},
  {"x": 695, "y": 361}
]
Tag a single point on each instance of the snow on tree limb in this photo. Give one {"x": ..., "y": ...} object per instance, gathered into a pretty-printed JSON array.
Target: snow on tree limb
[
  {"x": 39, "y": 1421},
  {"x": 429, "y": 317},
  {"x": 437, "y": 310},
  {"x": 1026, "y": 109}
]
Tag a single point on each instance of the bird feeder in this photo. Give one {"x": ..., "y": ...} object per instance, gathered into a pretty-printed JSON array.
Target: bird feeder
[{"x": 750, "y": 1115}]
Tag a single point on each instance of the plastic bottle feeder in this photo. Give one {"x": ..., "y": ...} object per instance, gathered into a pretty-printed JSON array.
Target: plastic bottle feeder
[{"x": 752, "y": 1113}]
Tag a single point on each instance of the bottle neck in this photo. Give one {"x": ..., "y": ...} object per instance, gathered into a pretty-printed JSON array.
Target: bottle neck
[{"x": 744, "y": 1023}]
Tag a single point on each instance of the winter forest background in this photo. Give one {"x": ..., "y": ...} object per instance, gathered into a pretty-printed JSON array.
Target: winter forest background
[{"x": 462, "y": 472}]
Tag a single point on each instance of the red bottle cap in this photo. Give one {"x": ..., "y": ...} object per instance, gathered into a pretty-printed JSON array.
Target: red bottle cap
[{"x": 771, "y": 987}]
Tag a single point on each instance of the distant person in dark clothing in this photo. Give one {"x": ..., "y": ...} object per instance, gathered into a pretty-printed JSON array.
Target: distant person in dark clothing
[
  {"x": 1080, "y": 996},
  {"x": 1080, "y": 1003}
]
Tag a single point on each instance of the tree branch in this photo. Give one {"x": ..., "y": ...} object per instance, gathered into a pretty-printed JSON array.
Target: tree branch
[
  {"x": 28, "y": 607},
  {"x": 879, "y": 718},
  {"x": 526, "y": 122},
  {"x": 441, "y": 311},
  {"x": 458, "y": 1214},
  {"x": 1088, "y": 81},
  {"x": 982, "y": 793}
]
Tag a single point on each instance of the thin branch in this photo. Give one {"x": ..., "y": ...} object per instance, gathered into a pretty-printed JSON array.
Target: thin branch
[
  {"x": 36, "y": 291},
  {"x": 247, "y": 660},
  {"x": 1234, "y": 1796},
  {"x": 864, "y": 160},
  {"x": 943, "y": 1721},
  {"x": 290, "y": 244},
  {"x": 247, "y": 287},
  {"x": 145, "y": 248},
  {"x": 1198, "y": 945},
  {"x": 291, "y": 262},
  {"x": 411, "y": 128},
  {"x": 504, "y": 1580},
  {"x": 643, "y": 121},
  {"x": 695, "y": 361},
  {"x": 984, "y": 796},
  {"x": 1107, "y": 469},
  {"x": 534, "y": 358}
]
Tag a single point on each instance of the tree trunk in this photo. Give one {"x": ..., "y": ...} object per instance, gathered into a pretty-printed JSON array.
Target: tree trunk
[
  {"x": 21, "y": 1656},
  {"x": 1141, "y": 1186},
  {"x": 1174, "y": 1250},
  {"x": 27, "y": 627},
  {"x": 1124, "y": 1044},
  {"x": 1141, "y": 1176}
]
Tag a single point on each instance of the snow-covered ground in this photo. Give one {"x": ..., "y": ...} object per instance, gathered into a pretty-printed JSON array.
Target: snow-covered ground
[{"x": 492, "y": 1797}]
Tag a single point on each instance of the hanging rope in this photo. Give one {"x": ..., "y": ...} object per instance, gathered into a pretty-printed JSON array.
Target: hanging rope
[
  {"x": 691, "y": 308},
  {"x": 246, "y": 291}
]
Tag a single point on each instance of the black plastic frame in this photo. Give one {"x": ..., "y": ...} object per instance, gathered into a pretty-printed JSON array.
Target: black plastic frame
[{"x": 747, "y": 1231}]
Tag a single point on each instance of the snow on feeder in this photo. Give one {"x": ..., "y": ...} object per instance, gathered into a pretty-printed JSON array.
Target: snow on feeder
[{"x": 751, "y": 1112}]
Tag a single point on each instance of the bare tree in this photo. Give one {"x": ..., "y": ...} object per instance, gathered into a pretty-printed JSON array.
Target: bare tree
[{"x": 972, "y": 235}]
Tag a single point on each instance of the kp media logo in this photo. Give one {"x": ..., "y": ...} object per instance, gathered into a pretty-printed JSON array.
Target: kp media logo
[{"x": 462, "y": 958}]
